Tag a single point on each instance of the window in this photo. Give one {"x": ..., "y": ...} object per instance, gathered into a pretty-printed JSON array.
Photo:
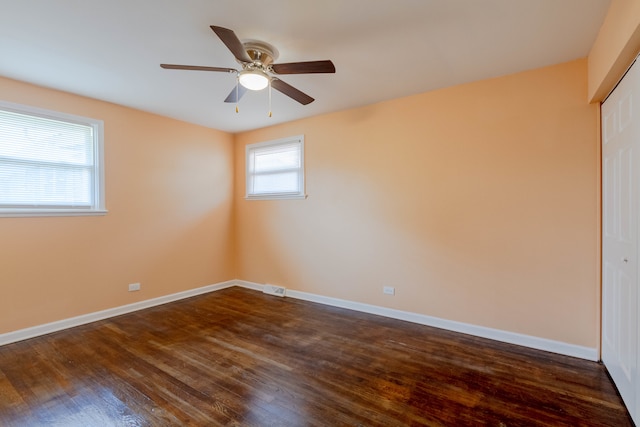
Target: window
[
  {"x": 50, "y": 163},
  {"x": 275, "y": 169}
]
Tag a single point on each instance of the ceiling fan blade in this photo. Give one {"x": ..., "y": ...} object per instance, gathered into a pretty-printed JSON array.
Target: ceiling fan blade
[
  {"x": 196, "y": 68},
  {"x": 291, "y": 91},
  {"x": 304, "y": 67},
  {"x": 232, "y": 42},
  {"x": 236, "y": 93}
]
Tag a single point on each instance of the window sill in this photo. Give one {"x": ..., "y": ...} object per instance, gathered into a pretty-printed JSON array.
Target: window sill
[
  {"x": 17, "y": 213},
  {"x": 276, "y": 197}
]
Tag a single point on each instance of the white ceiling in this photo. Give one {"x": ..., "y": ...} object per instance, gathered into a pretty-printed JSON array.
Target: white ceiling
[{"x": 111, "y": 49}]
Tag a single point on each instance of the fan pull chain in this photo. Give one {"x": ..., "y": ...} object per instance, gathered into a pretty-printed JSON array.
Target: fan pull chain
[
  {"x": 269, "y": 97},
  {"x": 237, "y": 89}
]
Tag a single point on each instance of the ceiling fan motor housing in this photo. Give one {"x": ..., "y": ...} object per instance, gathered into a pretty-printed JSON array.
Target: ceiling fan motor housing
[{"x": 261, "y": 53}]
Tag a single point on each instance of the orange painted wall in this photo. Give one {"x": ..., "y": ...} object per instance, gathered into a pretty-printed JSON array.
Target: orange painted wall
[
  {"x": 616, "y": 46},
  {"x": 479, "y": 203},
  {"x": 169, "y": 189}
]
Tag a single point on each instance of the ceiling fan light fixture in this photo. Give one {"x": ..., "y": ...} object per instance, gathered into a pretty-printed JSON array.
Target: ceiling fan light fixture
[{"x": 254, "y": 79}]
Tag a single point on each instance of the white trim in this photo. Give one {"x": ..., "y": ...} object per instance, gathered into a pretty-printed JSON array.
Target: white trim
[
  {"x": 60, "y": 212},
  {"x": 544, "y": 344},
  {"x": 59, "y": 325},
  {"x": 276, "y": 197},
  {"x": 250, "y": 285},
  {"x": 537, "y": 343}
]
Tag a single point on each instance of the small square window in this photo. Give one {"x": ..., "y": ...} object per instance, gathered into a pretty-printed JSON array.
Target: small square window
[
  {"x": 275, "y": 169},
  {"x": 50, "y": 163}
]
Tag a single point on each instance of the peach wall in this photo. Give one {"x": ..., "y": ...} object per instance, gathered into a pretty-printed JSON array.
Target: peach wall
[
  {"x": 169, "y": 189},
  {"x": 616, "y": 46},
  {"x": 479, "y": 203}
]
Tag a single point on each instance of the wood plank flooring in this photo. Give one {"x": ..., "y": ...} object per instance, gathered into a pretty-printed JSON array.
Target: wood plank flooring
[{"x": 240, "y": 358}]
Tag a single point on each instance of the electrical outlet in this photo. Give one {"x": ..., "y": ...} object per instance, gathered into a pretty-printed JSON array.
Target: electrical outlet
[
  {"x": 134, "y": 287},
  {"x": 389, "y": 290}
]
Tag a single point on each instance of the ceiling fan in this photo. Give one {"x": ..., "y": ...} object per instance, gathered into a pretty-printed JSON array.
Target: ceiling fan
[{"x": 256, "y": 59}]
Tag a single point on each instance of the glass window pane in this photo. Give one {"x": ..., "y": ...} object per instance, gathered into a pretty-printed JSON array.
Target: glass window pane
[
  {"x": 39, "y": 139},
  {"x": 277, "y": 160},
  {"x": 286, "y": 182},
  {"x": 37, "y": 185}
]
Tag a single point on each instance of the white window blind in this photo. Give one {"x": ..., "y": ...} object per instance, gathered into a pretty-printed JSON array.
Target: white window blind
[
  {"x": 275, "y": 169},
  {"x": 49, "y": 162}
]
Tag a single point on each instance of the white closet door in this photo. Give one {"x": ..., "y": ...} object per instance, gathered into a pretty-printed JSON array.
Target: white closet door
[{"x": 620, "y": 194}]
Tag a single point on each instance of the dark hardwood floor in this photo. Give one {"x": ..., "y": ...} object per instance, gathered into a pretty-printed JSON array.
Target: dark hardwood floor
[{"x": 240, "y": 358}]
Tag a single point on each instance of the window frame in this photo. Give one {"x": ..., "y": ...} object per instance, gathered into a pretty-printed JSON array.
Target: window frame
[
  {"x": 249, "y": 148},
  {"x": 98, "y": 202}
]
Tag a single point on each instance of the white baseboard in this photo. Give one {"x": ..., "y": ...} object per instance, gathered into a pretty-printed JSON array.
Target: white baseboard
[
  {"x": 552, "y": 346},
  {"x": 479, "y": 331},
  {"x": 47, "y": 328}
]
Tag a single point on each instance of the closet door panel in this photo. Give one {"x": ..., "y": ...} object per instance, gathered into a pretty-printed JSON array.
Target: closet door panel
[{"x": 620, "y": 187}]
